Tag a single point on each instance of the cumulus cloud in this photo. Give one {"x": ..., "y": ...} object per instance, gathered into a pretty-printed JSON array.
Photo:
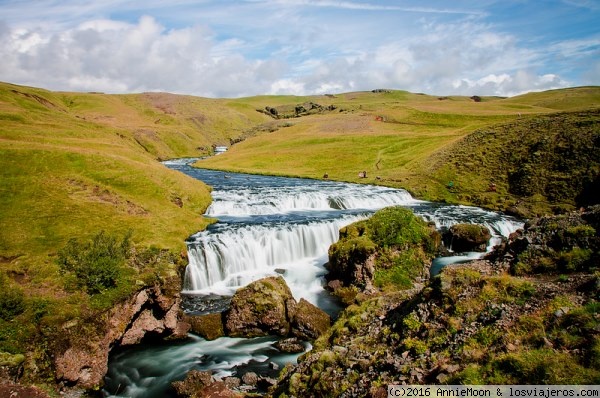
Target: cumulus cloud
[
  {"x": 295, "y": 52},
  {"x": 105, "y": 55}
]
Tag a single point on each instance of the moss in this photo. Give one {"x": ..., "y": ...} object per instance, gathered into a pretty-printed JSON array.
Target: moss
[
  {"x": 11, "y": 360},
  {"x": 543, "y": 366},
  {"x": 209, "y": 326}
]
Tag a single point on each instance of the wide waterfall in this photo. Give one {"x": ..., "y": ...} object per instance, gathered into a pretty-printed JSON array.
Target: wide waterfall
[{"x": 269, "y": 226}]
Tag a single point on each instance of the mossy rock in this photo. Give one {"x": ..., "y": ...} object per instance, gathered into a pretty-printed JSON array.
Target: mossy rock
[
  {"x": 308, "y": 321},
  {"x": 209, "y": 326},
  {"x": 467, "y": 237},
  {"x": 259, "y": 309}
]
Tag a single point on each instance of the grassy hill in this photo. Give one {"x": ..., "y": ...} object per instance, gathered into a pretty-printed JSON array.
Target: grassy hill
[
  {"x": 408, "y": 140},
  {"x": 75, "y": 164}
]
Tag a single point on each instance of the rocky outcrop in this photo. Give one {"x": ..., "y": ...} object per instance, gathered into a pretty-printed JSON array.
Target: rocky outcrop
[
  {"x": 478, "y": 322},
  {"x": 260, "y": 309},
  {"x": 199, "y": 384},
  {"x": 553, "y": 244},
  {"x": 392, "y": 249},
  {"x": 81, "y": 358},
  {"x": 467, "y": 237},
  {"x": 267, "y": 307}
]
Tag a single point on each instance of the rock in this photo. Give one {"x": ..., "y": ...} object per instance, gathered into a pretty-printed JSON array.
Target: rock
[
  {"x": 467, "y": 237},
  {"x": 209, "y": 326},
  {"x": 334, "y": 285},
  {"x": 351, "y": 260},
  {"x": 259, "y": 309},
  {"x": 195, "y": 380},
  {"x": 232, "y": 382},
  {"x": 308, "y": 322},
  {"x": 291, "y": 345},
  {"x": 265, "y": 383},
  {"x": 273, "y": 365},
  {"x": 250, "y": 378},
  {"x": 198, "y": 384},
  {"x": 81, "y": 361}
]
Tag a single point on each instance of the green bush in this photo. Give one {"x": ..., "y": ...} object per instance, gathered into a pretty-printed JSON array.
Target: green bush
[
  {"x": 399, "y": 227},
  {"x": 96, "y": 265},
  {"x": 12, "y": 301}
]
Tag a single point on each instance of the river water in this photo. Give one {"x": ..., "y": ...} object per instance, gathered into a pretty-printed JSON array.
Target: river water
[{"x": 268, "y": 226}]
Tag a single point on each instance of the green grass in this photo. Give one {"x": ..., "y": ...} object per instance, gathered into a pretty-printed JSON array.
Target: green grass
[{"x": 410, "y": 141}]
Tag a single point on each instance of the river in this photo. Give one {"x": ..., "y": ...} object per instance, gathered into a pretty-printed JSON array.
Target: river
[{"x": 268, "y": 226}]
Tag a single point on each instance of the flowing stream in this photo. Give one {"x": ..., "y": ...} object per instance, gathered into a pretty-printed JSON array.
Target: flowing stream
[{"x": 268, "y": 226}]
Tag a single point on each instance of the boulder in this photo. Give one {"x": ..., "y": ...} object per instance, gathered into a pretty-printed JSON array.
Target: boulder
[
  {"x": 291, "y": 345},
  {"x": 259, "y": 309},
  {"x": 209, "y": 326},
  {"x": 467, "y": 237},
  {"x": 200, "y": 384},
  {"x": 308, "y": 322}
]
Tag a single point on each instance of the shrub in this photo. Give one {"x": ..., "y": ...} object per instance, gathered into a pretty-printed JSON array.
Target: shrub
[
  {"x": 399, "y": 227},
  {"x": 96, "y": 265},
  {"x": 12, "y": 302}
]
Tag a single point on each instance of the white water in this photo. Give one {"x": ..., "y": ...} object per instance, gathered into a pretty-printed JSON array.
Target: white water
[
  {"x": 269, "y": 226},
  {"x": 220, "y": 263}
]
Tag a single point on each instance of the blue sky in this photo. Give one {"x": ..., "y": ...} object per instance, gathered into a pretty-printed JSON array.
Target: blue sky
[{"x": 232, "y": 48}]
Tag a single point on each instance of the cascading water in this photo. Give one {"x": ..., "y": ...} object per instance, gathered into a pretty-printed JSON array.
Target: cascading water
[{"x": 266, "y": 226}]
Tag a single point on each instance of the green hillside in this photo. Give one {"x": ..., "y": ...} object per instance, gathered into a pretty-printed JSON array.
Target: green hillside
[{"x": 410, "y": 141}]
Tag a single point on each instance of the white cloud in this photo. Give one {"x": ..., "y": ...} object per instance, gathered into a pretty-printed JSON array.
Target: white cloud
[
  {"x": 111, "y": 56},
  {"x": 238, "y": 48}
]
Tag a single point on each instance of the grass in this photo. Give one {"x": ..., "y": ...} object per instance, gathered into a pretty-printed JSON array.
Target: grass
[{"x": 417, "y": 142}]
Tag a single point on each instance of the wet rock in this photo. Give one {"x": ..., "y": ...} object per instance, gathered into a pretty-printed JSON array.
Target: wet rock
[
  {"x": 467, "y": 237},
  {"x": 259, "y": 309},
  {"x": 209, "y": 326},
  {"x": 291, "y": 345},
  {"x": 308, "y": 322}
]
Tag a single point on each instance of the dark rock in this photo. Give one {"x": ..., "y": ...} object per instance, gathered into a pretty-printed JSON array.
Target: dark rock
[
  {"x": 259, "y": 309},
  {"x": 308, "y": 321},
  {"x": 209, "y": 326},
  {"x": 291, "y": 345},
  {"x": 265, "y": 383},
  {"x": 467, "y": 237}
]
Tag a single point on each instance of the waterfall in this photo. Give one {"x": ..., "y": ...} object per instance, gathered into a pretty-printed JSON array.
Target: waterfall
[
  {"x": 315, "y": 197},
  {"x": 234, "y": 257},
  {"x": 270, "y": 225}
]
